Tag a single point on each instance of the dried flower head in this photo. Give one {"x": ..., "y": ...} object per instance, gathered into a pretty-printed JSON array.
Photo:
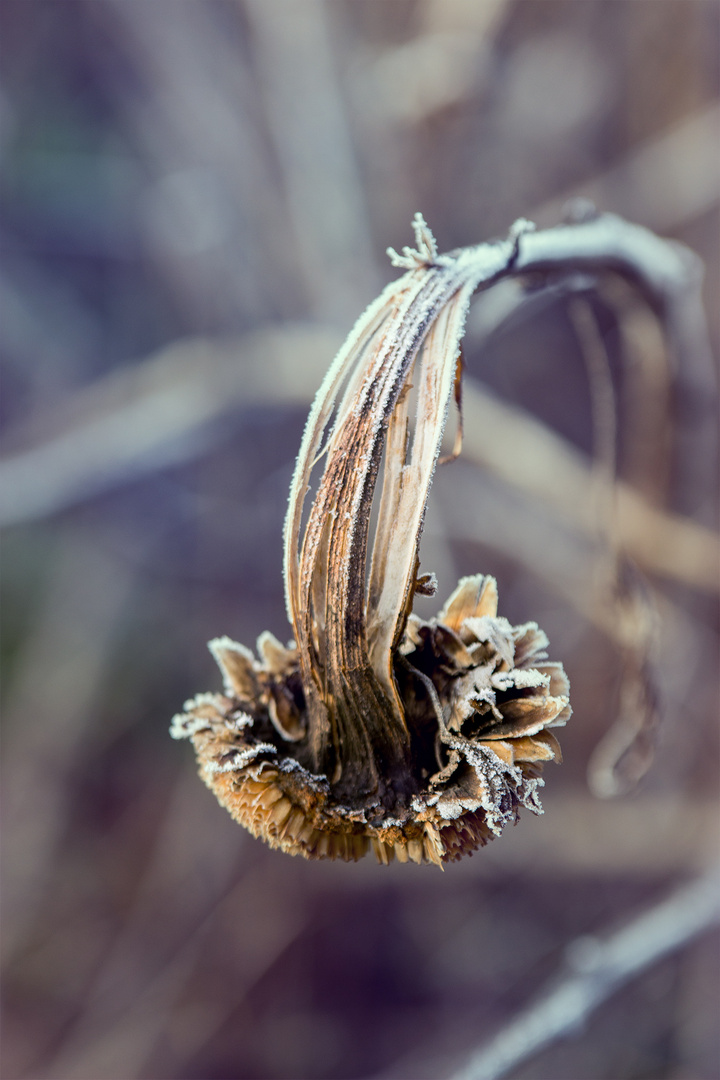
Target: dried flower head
[{"x": 375, "y": 728}]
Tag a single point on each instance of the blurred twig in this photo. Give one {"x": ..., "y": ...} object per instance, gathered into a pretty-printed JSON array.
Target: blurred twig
[
  {"x": 626, "y": 750},
  {"x": 653, "y": 184},
  {"x": 125, "y": 1019},
  {"x": 530, "y": 457},
  {"x": 212, "y": 216},
  {"x": 154, "y": 414},
  {"x": 47, "y": 712},
  {"x": 444, "y": 63},
  {"x": 669, "y": 277},
  {"x": 644, "y": 835},
  {"x": 159, "y": 413},
  {"x": 305, "y": 118},
  {"x": 597, "y": 968}
]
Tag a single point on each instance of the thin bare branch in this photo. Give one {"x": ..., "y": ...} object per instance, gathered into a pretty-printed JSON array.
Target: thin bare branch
[
  {"x": 528, "y": 456},
  {"x": 596, "y": 968},
  {"x": 130, "y": 423},
  {"x": 653, "y": 184}
]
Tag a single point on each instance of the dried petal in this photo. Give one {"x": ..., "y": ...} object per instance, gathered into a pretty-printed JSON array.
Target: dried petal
[
  {"x": 474, "y": 596},
  {"x": 237, "y": 666}
]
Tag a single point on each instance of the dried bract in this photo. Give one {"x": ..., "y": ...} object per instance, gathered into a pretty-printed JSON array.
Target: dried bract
[{"x": 375, "y": 728}]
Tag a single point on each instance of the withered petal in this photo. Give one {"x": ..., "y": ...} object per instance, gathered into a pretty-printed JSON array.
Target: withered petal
[
  {"x": 278, "y": 659},
  {"x": 495, "y": 632},
  {"x": 284, "y": 714},
  {"x": 536, "y": 711},
  {"x": 237, "y": 665},
  {"x": 530, "y": 644},
  {"x": 504, "y": 748},
  {"x": 466, "y": 793},
  {"x": 539, "y": 747},
  {"x": 559, "y": 685},
  {"x": 474, "y": 595},
  {"x": 562, "y": 717}
]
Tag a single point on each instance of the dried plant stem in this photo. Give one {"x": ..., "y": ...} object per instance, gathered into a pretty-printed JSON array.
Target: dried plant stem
[
  {"x": 604, "y": 413},
  {"x": 626, "y": 750},
  {"x": 598, "y": 967},
  {"x": 352, "y": 700}
]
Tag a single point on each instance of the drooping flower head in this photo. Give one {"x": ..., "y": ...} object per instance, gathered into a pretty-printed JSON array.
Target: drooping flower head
[{"x": 375, "y": 728}]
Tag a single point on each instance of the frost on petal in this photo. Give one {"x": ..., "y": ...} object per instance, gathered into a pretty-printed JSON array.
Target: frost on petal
[
  {"x": 478, "y": 725},
  {"x": 237, "y": 667},
  {"x": 474, "y": 596}
]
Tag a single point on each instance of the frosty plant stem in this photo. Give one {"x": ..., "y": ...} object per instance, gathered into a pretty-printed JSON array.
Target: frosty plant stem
[
  {"x": 347, "y": 633},
  {"x": 422, "y": 739}
]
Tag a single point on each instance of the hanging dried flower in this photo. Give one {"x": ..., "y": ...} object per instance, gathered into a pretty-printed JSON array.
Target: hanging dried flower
[{"x": 375, "y": 728}]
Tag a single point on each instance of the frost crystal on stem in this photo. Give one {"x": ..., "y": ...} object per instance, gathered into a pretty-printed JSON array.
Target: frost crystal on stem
[
  {"x": 424, "y": 254},
  {"x": 375, "y": 728}
]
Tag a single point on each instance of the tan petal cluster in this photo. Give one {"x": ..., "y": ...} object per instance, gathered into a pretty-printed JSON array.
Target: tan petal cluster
[{"x": 479, "y": 696}]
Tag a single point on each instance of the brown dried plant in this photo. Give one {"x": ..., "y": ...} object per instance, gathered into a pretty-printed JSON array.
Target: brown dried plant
[{"x": 374, "y": 727}]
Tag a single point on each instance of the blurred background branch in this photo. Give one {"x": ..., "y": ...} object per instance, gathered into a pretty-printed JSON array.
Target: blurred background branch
[
  {"x": 598, "y": 968},
  {"x": 195, "y": 204}
]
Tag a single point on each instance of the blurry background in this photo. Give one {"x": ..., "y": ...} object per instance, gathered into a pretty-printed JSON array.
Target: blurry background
[{"x": 196, "y": 201}]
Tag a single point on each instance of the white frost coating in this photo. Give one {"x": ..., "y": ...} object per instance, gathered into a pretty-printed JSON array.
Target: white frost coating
[
  {"x": 184, "y": 727},
  {"x": 521, "y": 227},
  {"x": 425, "y": 253},
  {"x": 499, "y": 780},
  {"x": 206, "y": 698},
  {"x": 452, "y": 806},
  {"x": 186, "y": 724},
  {"x": 290, "y": 765},
  {"x": 226, "y": 642},
  {"x": 502, "y": 788},
  {"x": 429, "y": 583},
  {"x": 482, "y": 262},
  {"x": 220, "y": 644},
  {"x": 541, "y": 640},
  {"x": 490, "y": 628},
  {"x": 502, "y": 680},
  {"x": 494, "y": 631},
  {"x": 239, "y": 721},
  {"x": 322, "y": 406},
  {"x": 240, "y": 759},
  {"x": 522, "y": 678}
]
